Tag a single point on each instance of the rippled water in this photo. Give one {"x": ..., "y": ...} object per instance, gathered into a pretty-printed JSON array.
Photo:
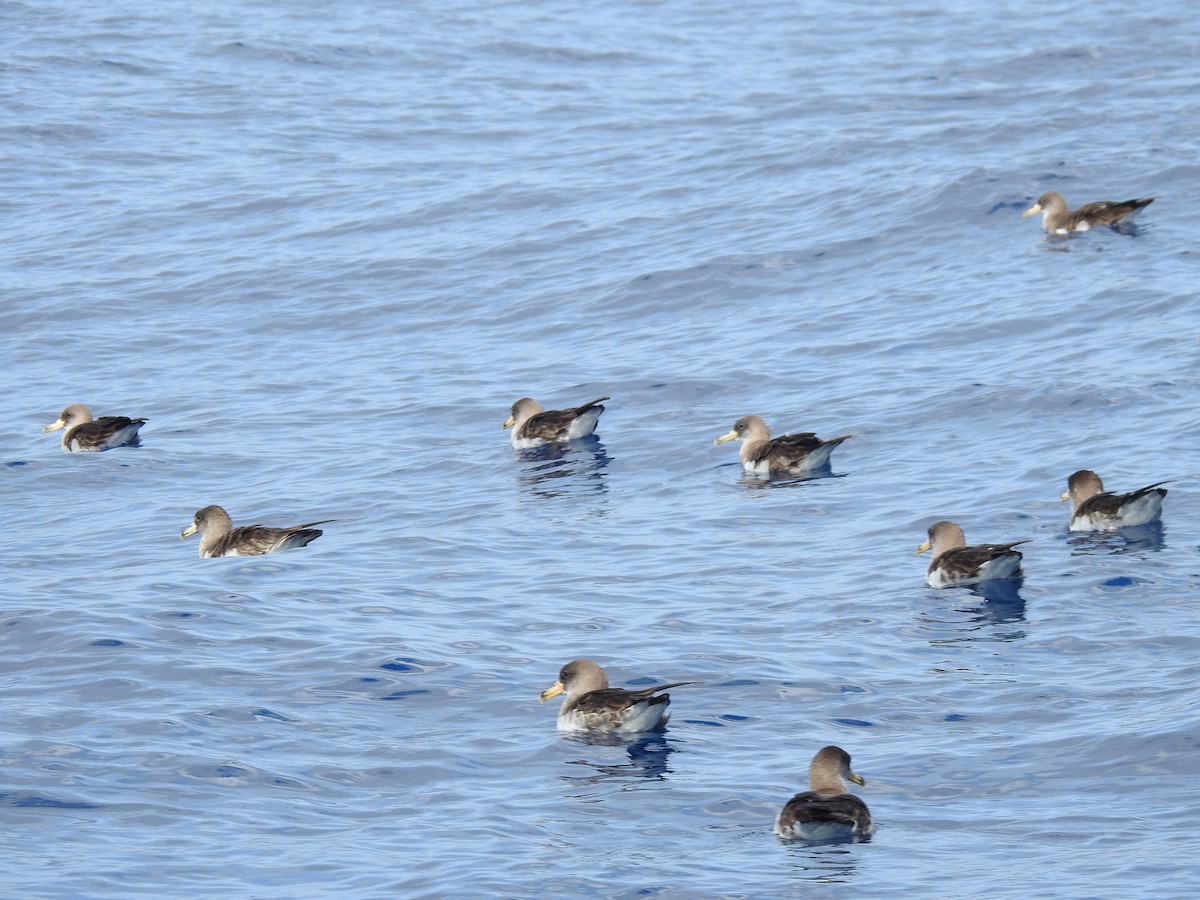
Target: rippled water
[{"x": 324, "y": 247}]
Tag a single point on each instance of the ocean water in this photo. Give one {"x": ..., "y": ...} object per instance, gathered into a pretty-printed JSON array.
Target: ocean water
[{"x": 324, "y": 247}]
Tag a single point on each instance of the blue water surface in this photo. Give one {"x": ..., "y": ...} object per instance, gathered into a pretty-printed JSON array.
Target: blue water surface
[{"x": 324, "y": 247}]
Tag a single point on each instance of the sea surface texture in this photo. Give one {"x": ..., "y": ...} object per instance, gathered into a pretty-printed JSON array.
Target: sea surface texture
[{"x": 323, "y": 248}]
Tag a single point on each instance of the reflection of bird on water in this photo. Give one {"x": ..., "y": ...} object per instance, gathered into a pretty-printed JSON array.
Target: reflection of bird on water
[
  {"x": 559, "y": 469},
  {"x": 1002, "y": 601},
  {"x": 648, "y": 756}
]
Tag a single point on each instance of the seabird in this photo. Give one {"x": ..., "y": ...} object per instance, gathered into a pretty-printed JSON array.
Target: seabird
[
  {"x": 792, "y": 454},
  {"x": 1094, "y": 509},
  {"x": 218, "y": 537},
  {"x": 955, "y": 563},
  {"x": 591, "y": 705},
  {"x": 532, "y": 426},
  {"x": 1058, "y": 219},
  {"x": 829, "y": 811},
  {"x": 84, "y": 434}
]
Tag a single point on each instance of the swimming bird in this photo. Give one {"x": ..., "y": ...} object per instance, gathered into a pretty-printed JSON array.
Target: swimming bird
[
  {"x": 591, "y": 705},
  {"x": 1058, "y": 219},
  {"x": 533, "y": 426},
  {"x": 789, "y": 453},
  {"x": 829, "y": 811},
  {"x": 955, "y": 563},
  {"x": 1095, "y": 509},
  {"x": 83, "y": 434},
  {"x": 218, "y": 537}
]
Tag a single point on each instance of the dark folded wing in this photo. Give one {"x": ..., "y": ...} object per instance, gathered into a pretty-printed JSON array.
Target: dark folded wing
[
  {"x": 613, "y": 699},
  {"x": 550, "y": 424},
  {"x": 101, "y": 430},
  {"x": 786, "y": 449},
  {"x": 256, "y": 540},
  {"x": 1109, "y": 506},
  {"x": 553, "y": 423},
  {"x": 842, "y": 809},
  {"x": 1105, "y": 212},
  {"x": 966, "y": 561}
]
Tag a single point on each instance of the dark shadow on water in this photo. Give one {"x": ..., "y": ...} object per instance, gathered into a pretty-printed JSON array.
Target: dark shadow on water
[
  {"x": 1011, "y": 205},
  {"x": 759, "y": 482},
  {"x": 29, "y": 800},
  {"x": 829, "y": 862},
  {"x": 1061, "y": 243},
  {"x": 993, "y": 608},
  {"x": 558, "y": 469},
  {"x": 1143, "y": 538},
  {"x": 1132, "y": 229},
  {"x": 1002, "y": 601},
  {"x": 646, "y": 757},
  {"x": 1056, "y": 243}
]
